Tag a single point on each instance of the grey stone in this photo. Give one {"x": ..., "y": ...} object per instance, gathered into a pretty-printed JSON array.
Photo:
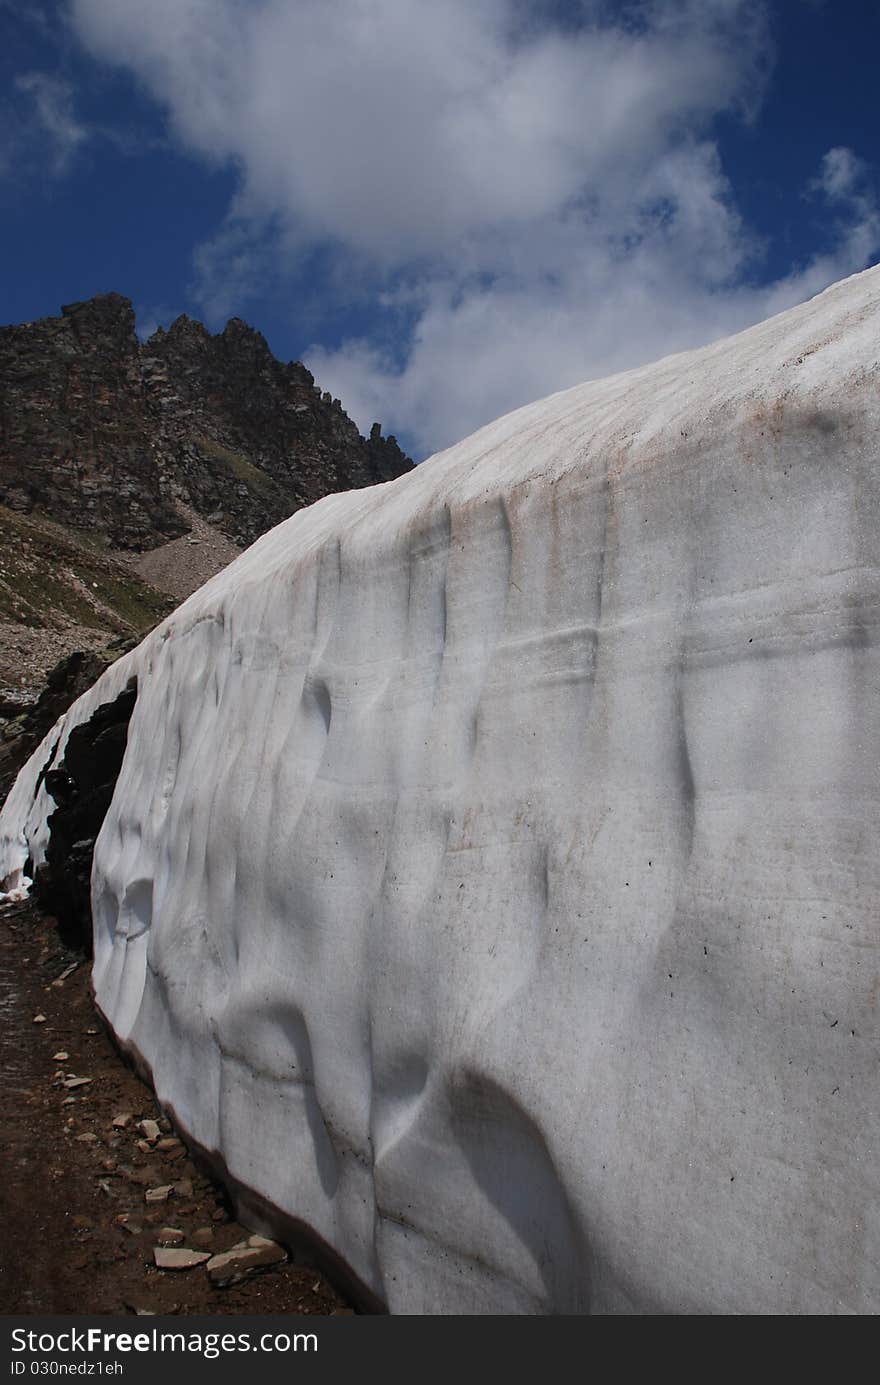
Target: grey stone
[
  {"x": 245, "y": 1258},
  {"x": 160, "y": 1194},
  {"x": 180, "y": 1258}
]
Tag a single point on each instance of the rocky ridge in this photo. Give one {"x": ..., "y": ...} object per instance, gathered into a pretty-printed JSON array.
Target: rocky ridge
[
  {"x": 131, "y": 472},
  {"x": 107, "y": 434}
]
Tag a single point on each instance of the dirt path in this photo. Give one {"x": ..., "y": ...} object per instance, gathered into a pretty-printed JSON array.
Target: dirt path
[{"x": 76, "y": 1232}]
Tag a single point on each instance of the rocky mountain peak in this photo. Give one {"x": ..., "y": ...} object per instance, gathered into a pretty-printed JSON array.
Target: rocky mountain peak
[
  {"x": 238, "y": 330},
  {"x": 103, "y": 309},
  {"x": 183, "y": 328},
  {"x": 131, "y": 472},
  {"x": 110, "y": 435}
]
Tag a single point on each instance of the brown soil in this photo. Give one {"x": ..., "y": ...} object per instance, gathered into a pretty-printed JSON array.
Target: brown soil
[
  {"x": 181, "y": 565},
  {"x": 77, "y": 1233},
  {"x": 60, "y": 591}
]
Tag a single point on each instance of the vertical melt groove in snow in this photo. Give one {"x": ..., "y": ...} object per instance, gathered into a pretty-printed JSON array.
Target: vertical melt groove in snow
[{"x": 491, "y": 881}]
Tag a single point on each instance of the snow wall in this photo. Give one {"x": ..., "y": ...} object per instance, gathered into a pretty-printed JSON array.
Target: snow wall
[{"x": 491, "y": 882}]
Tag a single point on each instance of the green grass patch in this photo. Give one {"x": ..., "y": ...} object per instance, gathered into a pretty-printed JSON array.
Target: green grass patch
[
  {"x": 237, "y": 466},
  {"x": 41, "y": 569}
]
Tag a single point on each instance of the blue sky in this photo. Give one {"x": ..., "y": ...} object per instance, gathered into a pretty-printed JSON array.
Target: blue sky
[{"x": 446, "y": 207}]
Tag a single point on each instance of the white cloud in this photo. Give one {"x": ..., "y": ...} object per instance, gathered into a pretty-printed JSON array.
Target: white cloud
[
  {"x": 52, "y": 113},
  {"x": 536, "y": 203},
  {"x": 396, "y": 126},
  {"x": 478, "y": 351},
  {"x": 844, "y": 180},
  {"x": 840, "y": 174},
  {"x": 229, "y": 267}
]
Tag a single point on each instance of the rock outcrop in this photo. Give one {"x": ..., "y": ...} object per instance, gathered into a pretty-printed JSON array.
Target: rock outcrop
[
  {"x": 490, "y": 883},
  {"x": 81, "y": 783},
  {"x": 24, "y": 724},
  {"x": 102, "y": 433},
  {"x": 245, "y": 439},
  {"x": 74, "y": 430}
]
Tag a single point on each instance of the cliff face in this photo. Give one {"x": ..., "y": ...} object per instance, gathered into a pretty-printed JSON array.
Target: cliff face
[
  {"x": 130, "y": 473},
  {"x": 102, "y": 433},
  {"x": 246, "y": 439},
  {"x": 491, "y": 879},
  {"x": 75, "y": 433}
]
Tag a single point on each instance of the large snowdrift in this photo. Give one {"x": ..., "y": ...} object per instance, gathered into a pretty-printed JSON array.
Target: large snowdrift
[{"x": 491, "y": 882}]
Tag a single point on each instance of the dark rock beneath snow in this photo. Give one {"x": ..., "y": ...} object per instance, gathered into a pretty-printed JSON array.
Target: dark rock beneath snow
[
  {"x": 82, "y": 785},
  {"x": 70, "y": 678}
]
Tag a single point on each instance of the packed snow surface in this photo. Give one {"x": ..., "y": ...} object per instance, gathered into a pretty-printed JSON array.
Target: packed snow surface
[{"x": 492, "y": 876}]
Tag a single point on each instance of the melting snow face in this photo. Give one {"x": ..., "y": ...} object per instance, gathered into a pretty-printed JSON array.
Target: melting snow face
[{"x": 492, "y": 875}]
